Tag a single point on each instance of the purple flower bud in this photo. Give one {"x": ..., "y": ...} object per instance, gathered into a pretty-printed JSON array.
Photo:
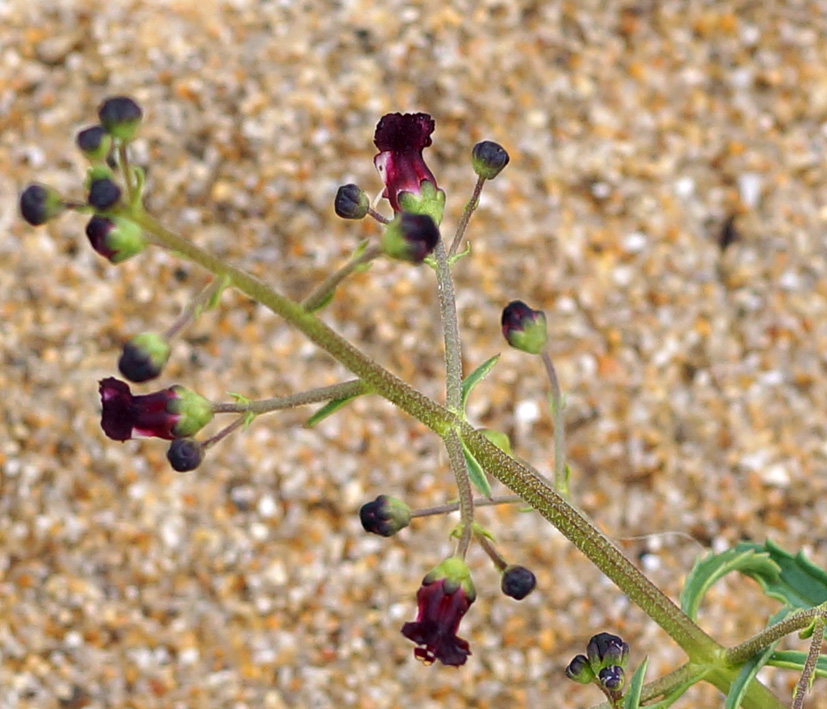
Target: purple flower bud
[
  {"x": 351, "y": 202},
  {"x": 94, "y": 142},
  {"x": 410, "y": 237},
  {"x": 40, "y": 203},
  {"x": 143, "y": 357},
  {"x": 120, "y": 116},
  {"x": 103, "y": 193},
  {"x": 580, "y": 670},
  {"x": 524, "y": 328},
  {"x": 385, "y": 516},
  {"x": 612, "y": 678},
  {"x": 115, "y": 238},
  {"x": 605, "y": 649},
  {"x": 185, "y": 454},
  {"x": 489, "y": 159},
  {"x": 517, "y": 582}
]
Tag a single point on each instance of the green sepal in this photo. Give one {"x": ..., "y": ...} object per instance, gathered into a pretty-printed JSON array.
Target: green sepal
[
  {"x": 248, "y": 416},
  {"x": 195, "y": 411},
  {"x": 330, "y": 408},
  {"x": 98, "y": 172},
  {"x": 481, "y": 531},
  {"x": 476, "y": 473},
  {"x": 430, "y": 201},
  {"x": 631, "y": 700},
  {"x": 476, "y": 377}
]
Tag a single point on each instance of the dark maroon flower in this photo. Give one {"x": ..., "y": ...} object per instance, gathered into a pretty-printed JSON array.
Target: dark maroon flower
[
  {"x": 401, "y": 138},
  {"x": 170, "y": 413},
  {"x": 447, "y": 592}
]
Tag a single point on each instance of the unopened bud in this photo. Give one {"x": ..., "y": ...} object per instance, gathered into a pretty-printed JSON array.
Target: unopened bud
[
  {"x": 115, "y": 238},
  {"x": 40, "y": 203},
  {"x": 517, "y": 582},
  {"x": 524, "y": 328},
  {"x": 103, "y": 193},
  {"x": 94, "y": 142},
  {"x": 580, "y": 670},
  {"x": 351, "y": 202},
  {"x": 605, "y": 649},
  {"x": 489, "y": 159},
  {"x": 410, "y": 237},
  {"x": 143, "y": 357},
  {"x": 185, "y": 454},
  {"x": 612, "y": 678},
  {"x": 385, "y": 516},
  {"x": 120, "y": 116}
]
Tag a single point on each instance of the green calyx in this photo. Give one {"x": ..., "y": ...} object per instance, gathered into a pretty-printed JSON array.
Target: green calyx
[
  {"x": 195, "y": 411},
  {"x": 455, "y": 574},
  {"x": 430, "y": 201},
  {"x": 124, "y": 240}
]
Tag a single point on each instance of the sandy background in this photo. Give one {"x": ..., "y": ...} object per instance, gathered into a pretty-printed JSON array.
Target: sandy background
[{"x": 695, "y": 378}]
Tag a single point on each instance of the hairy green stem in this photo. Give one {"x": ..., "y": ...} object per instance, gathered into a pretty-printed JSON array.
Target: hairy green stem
[
  {"x": 193, "y": 308},
  {"x": 803, "y": 685},
  {"x": 478, "y": 502},
  {"x": 470, "y": 206},
  {"x": 325, "y": 290},
  {"x": 466, "y": 498},
  {"x": 749, "y": 648},
  {"x": 561, "y": 478},
  {"x": 278, "y": 403}
]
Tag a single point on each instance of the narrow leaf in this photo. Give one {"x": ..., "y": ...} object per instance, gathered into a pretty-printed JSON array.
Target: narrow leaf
[
  {"x": 476, "y": 473},
  {"x": 476, "y": 377},
  {"x": 795, "y": 660},
  {"x": 708, "y": 570},
  {"x": 631, "y": 699},
  {"x": 330, "y": 408}
]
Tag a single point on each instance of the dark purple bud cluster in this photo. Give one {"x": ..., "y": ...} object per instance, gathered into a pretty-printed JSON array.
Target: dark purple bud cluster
[{"x": 604, "y": 664}]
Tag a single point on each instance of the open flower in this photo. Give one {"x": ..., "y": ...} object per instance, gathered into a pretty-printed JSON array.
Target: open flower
[
  {"x": 170, "y": 413},
  {"x": 447, "y": 592},
  {"x": 409, "y": 182}
]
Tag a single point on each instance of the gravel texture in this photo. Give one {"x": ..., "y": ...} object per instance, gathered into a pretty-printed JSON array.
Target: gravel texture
[{"x": 696, "y": 376}]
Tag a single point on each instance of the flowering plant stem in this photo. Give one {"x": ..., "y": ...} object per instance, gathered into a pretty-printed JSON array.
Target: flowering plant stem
[
  {"x": 278, "y": 403},
  {"x": 700, "y": 648}
]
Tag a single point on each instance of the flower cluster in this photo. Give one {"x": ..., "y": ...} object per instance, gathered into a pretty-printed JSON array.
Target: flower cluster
[{"x": 604, "y": 664}]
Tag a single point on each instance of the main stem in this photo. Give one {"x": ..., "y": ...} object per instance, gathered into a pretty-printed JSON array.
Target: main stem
[{"x": 536, "y": 492}]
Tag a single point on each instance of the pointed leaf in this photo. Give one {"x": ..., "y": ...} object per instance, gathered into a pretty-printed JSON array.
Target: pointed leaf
[
  {"x": 476, "y": 377},
  {"x": 631, "y": 699},
  {"x": 712, "y": 567},
  {"x": 330, "y": 408},
  {"x": 476, "y": 473},
  {"x": 799, "y": 584}
]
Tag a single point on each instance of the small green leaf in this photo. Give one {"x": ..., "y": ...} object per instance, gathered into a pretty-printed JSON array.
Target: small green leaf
[
  {"x": 631, "y": 699},
  {"x": 214, "y": 299},
  {"x": 360, "y": 249},
  {"x": 751, "y": 667},
  {"x": 330, "y": 408},
  {"x": 456, "y": 257},
  {"x": 249, "y": 417},
  {"x": 476, "y": 377},
  {"x": 323, "y": 303},
  {"x": 799, "y": 583},
  {"x": 712, "y": 567},
  {"x": 476, "y": 473},
  {"x": 498, "y": 438},
  {"x": 795, "y": 660}
]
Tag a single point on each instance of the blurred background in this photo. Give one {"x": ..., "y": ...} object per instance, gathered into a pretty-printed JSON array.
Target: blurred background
[{"x": 665, "y": 206}]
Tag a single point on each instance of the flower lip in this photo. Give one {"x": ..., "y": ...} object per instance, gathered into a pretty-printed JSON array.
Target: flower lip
[{"x": 400, "y": 132}]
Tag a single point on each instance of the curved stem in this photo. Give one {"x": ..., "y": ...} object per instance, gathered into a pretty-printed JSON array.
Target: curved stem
[
  {"x": 478, "y": 502},
  {"x": 470, "y": 206},
  {"x": 561, "y": 478},
  {"x": 325, "y": 290},
  {"x": 749, "y": 648},
  {"x": 278, "y": 403},
  {"x": 450, "y": 329}
]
